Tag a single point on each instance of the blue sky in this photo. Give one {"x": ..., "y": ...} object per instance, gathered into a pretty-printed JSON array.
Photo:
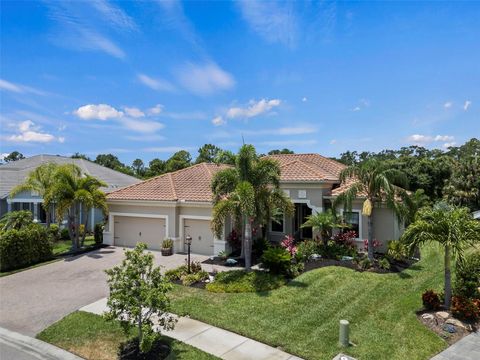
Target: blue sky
[{"x": 147, "y": 78}]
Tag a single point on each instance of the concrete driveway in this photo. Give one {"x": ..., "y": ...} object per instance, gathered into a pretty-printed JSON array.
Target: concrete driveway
[{"x": 33, "y": 299}]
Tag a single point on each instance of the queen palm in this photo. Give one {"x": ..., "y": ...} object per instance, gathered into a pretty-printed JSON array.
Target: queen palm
[
  {"x": 248, "y": 192},
  {"x": 376, "y": 183},
  {"x": 451, "y": 227},
  {"x": 73, "y": 192},
  {"x": 40, "y": 180}
]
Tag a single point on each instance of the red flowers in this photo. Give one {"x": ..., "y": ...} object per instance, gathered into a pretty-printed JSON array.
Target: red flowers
[{"x": 289, "y": 244}]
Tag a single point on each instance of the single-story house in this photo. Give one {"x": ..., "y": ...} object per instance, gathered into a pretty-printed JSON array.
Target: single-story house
[
  {"x": 177, "y": 204},
  {"x": 14, "y": 173}
]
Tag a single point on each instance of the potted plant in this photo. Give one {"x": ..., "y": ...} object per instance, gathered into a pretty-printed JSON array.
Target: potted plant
[{"x": 167, "y": 247}]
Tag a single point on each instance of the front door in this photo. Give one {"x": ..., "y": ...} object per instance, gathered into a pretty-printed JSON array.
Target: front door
[{"x": 302, "y": 211}]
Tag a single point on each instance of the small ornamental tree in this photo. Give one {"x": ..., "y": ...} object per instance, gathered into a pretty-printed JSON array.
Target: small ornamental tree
[{"x": 138, "y": 297}]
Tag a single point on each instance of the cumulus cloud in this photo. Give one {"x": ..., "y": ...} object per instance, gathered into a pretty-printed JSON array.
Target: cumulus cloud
[
  {"x": 29, "y": 132},
  {"x": 156, "y": 83},
  {"x": 98, "y": 112},
  {"x": 448, "y": 105},
  {"x": 419, "y": 139},
  {"x": 204, "y": 79},
  {"x": 157, "y": 109},
  {"x": 466, "y": 105},
  {"x": 254, "y": 108},
  {"x": 134, "y": 112},
  {"x": 218, "y": 120}
]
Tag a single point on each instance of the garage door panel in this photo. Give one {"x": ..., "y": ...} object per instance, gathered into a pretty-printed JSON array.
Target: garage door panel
[
  {"x": 202, "y": 236},
  {"x": 130, "y": 230}
]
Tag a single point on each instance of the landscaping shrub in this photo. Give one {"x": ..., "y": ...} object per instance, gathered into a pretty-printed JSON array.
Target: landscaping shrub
[
  {"x": 296, "y": 269},
  {"x": 53, "y": 232},
  {"x": 16, "y": 220},
  {"x": 181, "y": 274},
  {"x": 223, "y": 255},
  {"x": 259, "y": 246},
  {"x": 64, "y": 235},
  {"x": 167, "y": 244},
  {"x": 98, "y": 233},
  {"x": 431, "y": 300},
  {"x": 234, "y": 240},
  {"x": 192, "y": 278},
  {"x": 305, "y": 249},
  {"x": 465, "y": 309},
  {"x": 288, "y": 243},
  {"x": 384, "y": 263},
  {"x": 240, "y": 281},
  {"x": 342, "y": 244},
  {"x": 277, "y": 260},
  {"x": 24, "y": 247},
  {"x": 396, "y": 250},
  {"x": 365, "y": 263},
  {"x": 467, "y": 280}
]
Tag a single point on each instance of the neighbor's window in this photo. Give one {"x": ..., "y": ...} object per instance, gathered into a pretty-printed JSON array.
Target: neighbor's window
[
  {"x": 353, "y": 220},
  {"x": 277, "y": 223}
]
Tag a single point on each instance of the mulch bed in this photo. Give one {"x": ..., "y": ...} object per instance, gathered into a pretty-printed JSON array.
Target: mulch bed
[
  {"x": 131, "y": 351},
  {"x": 441, "y": 321},
  {"x": 198, "y": 284}
]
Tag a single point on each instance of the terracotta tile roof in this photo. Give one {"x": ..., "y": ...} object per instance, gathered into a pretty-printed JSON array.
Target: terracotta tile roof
[
  {"x": 189, "y": 184},
  {"x": 345, "y": 186},
  {"x": 307, "y": 167}
]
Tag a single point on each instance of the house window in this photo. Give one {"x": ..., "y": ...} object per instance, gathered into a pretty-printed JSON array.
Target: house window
[
  {"x": 352, "y": 218},
  {"x": 277, "y": 224}
]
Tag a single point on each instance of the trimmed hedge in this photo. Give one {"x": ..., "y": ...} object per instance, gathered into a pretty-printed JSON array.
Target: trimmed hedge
[
  {"x": 24, "y": 247},
  {"x": 98, "y": 233}
]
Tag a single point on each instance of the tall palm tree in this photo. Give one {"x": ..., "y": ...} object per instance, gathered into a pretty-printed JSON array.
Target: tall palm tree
[
  {"x": 377, "y": 183},
  {"x": 451, "y": 227},
  {"x": 249, "y": 192},
  {"x": 40, "y": 180},
  {"x": 72, "y": 193},
  {"x": 324, "y": 223}
]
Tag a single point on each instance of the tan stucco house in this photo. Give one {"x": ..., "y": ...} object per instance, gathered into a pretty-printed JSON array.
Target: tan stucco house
[{"x": 180, "y": 203}]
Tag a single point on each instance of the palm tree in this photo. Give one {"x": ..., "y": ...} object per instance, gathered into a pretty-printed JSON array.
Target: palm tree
[
  {"x": 451, "y": 227},
  {"x": 377, "y": 183},
  {"x": 248, "y": 192},
  {"x": 40, "y": 180},
  {"x": 73, "y": 192},
  {"x": 324, "y": 223}
]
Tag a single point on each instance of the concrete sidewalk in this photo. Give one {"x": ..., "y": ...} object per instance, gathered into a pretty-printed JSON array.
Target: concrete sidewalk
[
  {"x": 221, "y": 343},
  {"x": 467, "y": 348},
  {"x": 15, "y": 346}
]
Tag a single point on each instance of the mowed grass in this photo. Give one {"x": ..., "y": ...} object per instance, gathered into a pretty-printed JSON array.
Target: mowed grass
[
  {"x": 64, "y": 246},
  {"x": 91, "y": 337},
  {"x": 302, "y": 317}
]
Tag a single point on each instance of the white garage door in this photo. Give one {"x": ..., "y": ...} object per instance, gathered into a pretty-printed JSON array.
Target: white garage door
[
  {"x": 202, "y": 236},
  {"x": 130, "y": 230}
]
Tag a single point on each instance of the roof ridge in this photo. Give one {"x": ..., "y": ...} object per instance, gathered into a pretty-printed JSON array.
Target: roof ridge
[
  {"x": 207, "y": 167},
  {"x": 172, "y": 184}
]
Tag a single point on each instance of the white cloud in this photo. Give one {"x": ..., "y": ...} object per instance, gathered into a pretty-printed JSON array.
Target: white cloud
[
  {"x": 3, "y": 156},
  {"x": 98, "y": 112},
  {"x": 419, "y": 139},
  {"x": 204, "y": 79},
  {"x": 255, "y": 108},
  {"x": 17, "y": 88},
  {"x": 156, "y": 83},
  {"x": 188, "y": 115},
  {"x": 28, "y": 132},
  {"x": 134, "y": 112},
  {"x": 304, "y": 99},
  {"x": 61, "y": 139},
  {"x": 218, "y": 120},
  {"x": 114, "y": 15},
  {"x": 362, "y": 104},
  {"x": 143, "y": 126},
  {"x": 356, "y": 108},
  {"x": 274, "y": 21},
  {"x": 157, "y": 109},
  {"x": 466, "y": 105},
  {"x": 448, "y": 105},
  {"x": 449, "y": 144}
]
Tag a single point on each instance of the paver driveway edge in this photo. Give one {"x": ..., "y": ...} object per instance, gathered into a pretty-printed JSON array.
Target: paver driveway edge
[
  {"x": 210, "y": 339},
  {"x": 34, "y": 347},
  {"x": 467, "y": 348}
]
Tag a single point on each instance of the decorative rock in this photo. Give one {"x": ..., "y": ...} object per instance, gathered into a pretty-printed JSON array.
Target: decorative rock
[
  {"x": 231, "y": 262},
  {"x": 449, "y": 328},
  {"x": 315, "y": 257},
  {"x": 347, "y": 258},
  {"x": 442, "y": 314},
  {"x": 455, "y": 322},
  {"x": 428, "y": 317}
]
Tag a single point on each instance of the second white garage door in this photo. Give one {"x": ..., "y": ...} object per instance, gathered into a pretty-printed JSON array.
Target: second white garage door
[
  {"x": 130, "y": 230},
  {"x": 202, "y": 236}
]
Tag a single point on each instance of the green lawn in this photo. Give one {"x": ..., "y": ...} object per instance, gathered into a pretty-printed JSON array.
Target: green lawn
[
  {"x": 91, "y": 337},
  {"x": 64, "y": 246},
  {"x": 302, "y": 317}
]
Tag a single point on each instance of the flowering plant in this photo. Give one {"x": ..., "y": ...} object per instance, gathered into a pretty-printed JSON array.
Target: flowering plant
[
  {"x": 346, "y": 239},
  {"x": 289, "y": 244},
  {"x": 376, "y": 244}
]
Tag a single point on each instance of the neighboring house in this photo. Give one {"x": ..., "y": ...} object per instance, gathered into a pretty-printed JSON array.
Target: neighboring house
[
  {"x": 177, "y": 204},
  {"x": 14, "y": 173}
]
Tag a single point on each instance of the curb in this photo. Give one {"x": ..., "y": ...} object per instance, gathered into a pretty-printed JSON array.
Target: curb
[{"x": 34, "y": 347}]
